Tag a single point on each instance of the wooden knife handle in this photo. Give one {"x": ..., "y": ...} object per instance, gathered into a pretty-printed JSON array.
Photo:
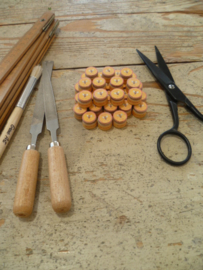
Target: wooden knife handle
[
  {"x": 9, "y": 129},
  {"x": 26, "y": 185},
  {"x": 58, "y": 177}
]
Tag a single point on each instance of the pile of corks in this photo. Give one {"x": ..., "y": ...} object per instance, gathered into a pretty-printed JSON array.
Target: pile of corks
[{"x": 108, "y": 98}]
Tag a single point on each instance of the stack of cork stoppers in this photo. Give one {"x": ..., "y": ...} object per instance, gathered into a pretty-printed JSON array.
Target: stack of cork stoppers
[{"x": 108, "y": 98}]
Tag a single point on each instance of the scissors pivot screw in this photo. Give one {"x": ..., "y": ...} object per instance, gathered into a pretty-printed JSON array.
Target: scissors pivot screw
[{"x": 171, "y": 86}]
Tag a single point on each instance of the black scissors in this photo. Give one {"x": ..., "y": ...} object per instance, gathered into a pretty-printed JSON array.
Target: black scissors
[{"x": 174, "y": 95}]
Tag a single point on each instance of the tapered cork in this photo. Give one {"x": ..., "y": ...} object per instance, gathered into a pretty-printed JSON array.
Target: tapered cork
[
  {"x": 116, "y": 82},
  {"x": 117, "y": 96},
  {"x": 119, "y": 119},
  {"x": 85, "y": 99},
  {"x": 78, "y": 112},
  {"x": 110, "y": 108},
  {"x": 108, "y": 73},
  {"x": 85, "y": 84},
  {"x": 134, "y": 96},
  {"x": 89, "y": 120},
  {"x": 100, "y": 97},
  {"x": 126, "y": 107},
  {"x": 139, "y": 111},
  {"x": 133, "y": 83},
  {"x": 105, "y": 121},
  {"x": 98, "y": 82},
  {"x": 91, "y": 72},
  {"x": 126, "y": 73}
]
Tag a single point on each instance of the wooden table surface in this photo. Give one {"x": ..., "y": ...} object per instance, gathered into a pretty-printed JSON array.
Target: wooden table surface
[{"x": 130, "y": 209}]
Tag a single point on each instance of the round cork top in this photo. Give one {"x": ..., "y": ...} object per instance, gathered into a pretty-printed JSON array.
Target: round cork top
[
  {"x": 117, "y": 72},
  {"x": 100, "y": 94},
  {"x": 116, "y": 81},
  {"x": 144, "y": 96},
  {"x": 120, "y": 116},
  {"x": 140, "y": 108},
  {"x": 110, "y": 107},
  {"x": 125, "y": 106},
  {"x": 89, "y": 117},
  {"x": 85, "y": 83},
  {"x": 95, "y": 108},
  {"x": 76, "y": 87},
  {"x": 133, "y": 83},
  {"x": 126, "y": 72},
  {"x": 99, "y": 82},
  {"x": 108, "y": 72},
  {"x": 91, "y": 72},
  {"x": 117, "y": 94},
  {"x": 84, "y": 96},
  {"x": 135, "y": 93},
  {"x": 78, "y": 110},
  {"x": 105, "y": 118}
]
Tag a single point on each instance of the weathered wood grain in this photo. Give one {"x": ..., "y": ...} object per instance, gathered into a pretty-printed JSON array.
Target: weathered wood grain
[
  {"x": 129, "y": 207},
  {"x": 13, "y": 12},
  {"x": 113, "y": 40}
]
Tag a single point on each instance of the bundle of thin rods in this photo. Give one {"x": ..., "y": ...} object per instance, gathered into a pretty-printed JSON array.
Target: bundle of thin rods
[{"x": 17, "y": 65}]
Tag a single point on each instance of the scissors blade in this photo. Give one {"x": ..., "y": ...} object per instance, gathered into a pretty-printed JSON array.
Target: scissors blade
[
  {"x": 166, "y": 82},
  {"x": 162, "y": 64}
]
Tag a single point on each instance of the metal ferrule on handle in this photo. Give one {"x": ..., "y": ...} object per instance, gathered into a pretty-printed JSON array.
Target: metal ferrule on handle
[{"x": 26, "y": 93}]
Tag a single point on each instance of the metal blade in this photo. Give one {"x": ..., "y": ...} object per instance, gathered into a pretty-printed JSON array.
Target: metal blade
[
  {"x": 158, "y": 73},
  {"x": 166, "y": 82},
  {"x": 52, "y": 123},
  {"x": 162, "y": 64},
  {"x": 38, "y": 115}
]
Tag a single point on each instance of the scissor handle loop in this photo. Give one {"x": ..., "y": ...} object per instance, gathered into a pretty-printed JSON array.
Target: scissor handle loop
[{"x": 180, "y": 135}]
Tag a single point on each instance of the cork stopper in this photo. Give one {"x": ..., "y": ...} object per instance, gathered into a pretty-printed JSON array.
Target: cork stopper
[
  {"x": 85, "y": 99},
  {"x": 110, "y": 108},
  {"x": 78, "y": 111},
  {"x": 117, "y": 94},
  {"x": 134, "y": 75},
  {"x": 133, "y": 83},
  {"x": 98, "y": 82},
  {"x": 97, "y": 110},
  {"x": 100, "y": 97},
  {"x": 105, "y": 121},
  {"x": 119, "y": 119},
  {"x": 85, "y": 84},
  {"x": 140, "y": 108},
  {"x": 126, "y": 73},
  {"x": 108, "y": 73},
  {"x": 91, "y": 72},
  {"x": 135, "y": 93},
  {"x": 116, "y": 82},
  {"x": 126, "y": 107},
  {"x": 89, "y": 120}
]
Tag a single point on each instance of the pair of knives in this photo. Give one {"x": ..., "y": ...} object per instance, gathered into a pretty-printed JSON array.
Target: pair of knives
[{"x": 58, "y": 175}]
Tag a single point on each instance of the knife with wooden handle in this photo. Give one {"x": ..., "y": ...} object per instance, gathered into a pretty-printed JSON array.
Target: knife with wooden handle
[
  {"x": 58, "y": 175},
  {"x": 27, "y": 179}
]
